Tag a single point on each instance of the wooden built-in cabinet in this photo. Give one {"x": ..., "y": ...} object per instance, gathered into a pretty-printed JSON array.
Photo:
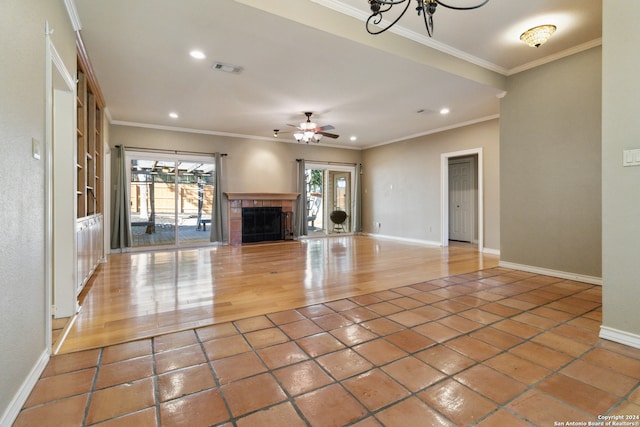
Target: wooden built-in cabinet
[
  {"x": 89, "y": 166},
  {"x": 89, "y": 170}
]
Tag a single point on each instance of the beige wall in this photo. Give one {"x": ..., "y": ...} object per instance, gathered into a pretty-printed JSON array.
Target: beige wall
[
  {"x": 550, "y": 139},
  {"x": 250, "y": 165},
  {"x": 401, "y": 183},
  {"x": 620, "y": 185},
  {"x": 22, "y": 217}
]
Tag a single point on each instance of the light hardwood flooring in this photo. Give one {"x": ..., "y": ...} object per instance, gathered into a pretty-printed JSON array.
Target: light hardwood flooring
[{"x": 142, "y": 295}]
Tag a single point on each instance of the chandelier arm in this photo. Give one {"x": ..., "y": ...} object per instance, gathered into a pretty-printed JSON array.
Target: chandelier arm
[
  {"x": 391, "y": 2},
  {"x": 428, "y": 19},
  {"x": 376, "y": 18},
  {"x": 462, "y": 8}
]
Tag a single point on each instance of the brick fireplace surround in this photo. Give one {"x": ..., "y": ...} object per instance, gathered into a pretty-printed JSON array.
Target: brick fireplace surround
[{"x": 237, "y": 201}]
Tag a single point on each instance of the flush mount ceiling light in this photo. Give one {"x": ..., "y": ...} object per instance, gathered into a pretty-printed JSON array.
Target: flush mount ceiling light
[
  {"x": 537, "y": 36},
  {"x": 426, "y": 8}
]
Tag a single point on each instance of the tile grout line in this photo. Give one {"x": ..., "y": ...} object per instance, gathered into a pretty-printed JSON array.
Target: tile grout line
[{"x": 93, "y": 387}]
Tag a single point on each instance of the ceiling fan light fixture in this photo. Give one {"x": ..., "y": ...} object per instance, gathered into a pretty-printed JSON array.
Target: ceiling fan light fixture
[
  {"x": 317, "y": 137},
  {"x": 537, "y": 36}
]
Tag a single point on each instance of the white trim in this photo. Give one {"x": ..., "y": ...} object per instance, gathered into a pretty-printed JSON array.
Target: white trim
[
  {"x": 553, "y": 273},
  {"x": 339, "y": 6},
  {"x": 490, "y": 251},
  {"x": 444, "y": 194},
  {"x": 555, "y": 57},
  {"x": 412, "y": 35},
  {"x": 65, "y": 332},
  {"x": 438, "y": 130},
  {"x": 622, "y": 337},
  {"x": 53, "y": 63},
  {"x": 227, "y": 134},
  {"x": 404, "y": 239},
  {"x": 20, "y": 398},
  {"x": 293, "y": 141},
  {"x": 328, "y": 167},
  {"x": 73, "y": 15}
]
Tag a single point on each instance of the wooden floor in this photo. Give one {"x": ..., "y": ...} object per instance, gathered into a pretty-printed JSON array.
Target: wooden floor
[{"x": 139, "y": 295}]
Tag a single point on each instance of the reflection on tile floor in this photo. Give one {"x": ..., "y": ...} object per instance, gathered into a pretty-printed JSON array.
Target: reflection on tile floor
[{"x": 492, "y": 348}]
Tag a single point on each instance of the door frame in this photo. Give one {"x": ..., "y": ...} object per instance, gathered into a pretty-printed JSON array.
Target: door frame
[
  {"x": 470, "y": 162},
  {"x": 326, "y": 168},
  {"x": 57, "y": 77},
  {"x": 444, "y": 194},
  {"x": 177, "y": 157}
]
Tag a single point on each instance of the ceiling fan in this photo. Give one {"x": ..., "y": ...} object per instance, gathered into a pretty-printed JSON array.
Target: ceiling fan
[{"x": 309, "y": 131}]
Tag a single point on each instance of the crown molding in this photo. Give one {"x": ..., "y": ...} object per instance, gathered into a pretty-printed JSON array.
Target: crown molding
[
  {"x": 414, "y": 36},
  {"x": 438, "y": 130},
  {"x": 547, "y": 59},
  {"x": 226, "y": 134}
]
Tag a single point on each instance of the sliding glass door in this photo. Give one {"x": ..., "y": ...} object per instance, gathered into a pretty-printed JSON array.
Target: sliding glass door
[{"x": 171, "y": 199}]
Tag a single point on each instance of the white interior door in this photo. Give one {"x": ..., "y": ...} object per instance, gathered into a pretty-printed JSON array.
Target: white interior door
[{"x": 461, "y": 200}]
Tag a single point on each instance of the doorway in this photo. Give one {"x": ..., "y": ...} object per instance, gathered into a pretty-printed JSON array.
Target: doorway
[
  {"x": 445, "y": 195},
  {"x": 60, "y": 167},
  {"x": 171, "y": 199},
  {"x": 462, "y": 199},
  {"x": 329, "y": 199}
]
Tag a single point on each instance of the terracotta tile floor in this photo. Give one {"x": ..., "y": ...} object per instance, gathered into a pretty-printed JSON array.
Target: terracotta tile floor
[{"x": 492, "y": 348}]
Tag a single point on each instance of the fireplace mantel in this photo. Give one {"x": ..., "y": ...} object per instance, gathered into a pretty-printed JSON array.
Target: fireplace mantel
[
  {"x": 262, "y": 196},
  {"x": 237, "y": 201}
]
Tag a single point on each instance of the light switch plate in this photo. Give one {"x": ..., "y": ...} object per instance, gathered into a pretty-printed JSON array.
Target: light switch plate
[
  {"x": 631, "y": 157},
  {"x": 35, "y": 148}
]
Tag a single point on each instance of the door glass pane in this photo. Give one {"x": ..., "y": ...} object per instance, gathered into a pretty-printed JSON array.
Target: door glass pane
[
  {"x": 315, "y": 201},
  {"x": 152, "y": 201},
  {"x": 339, "y": 211},
  {"x": 195, "y": 201}
]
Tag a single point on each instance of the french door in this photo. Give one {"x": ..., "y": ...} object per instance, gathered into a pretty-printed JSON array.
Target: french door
[
  {"x": 171, "y": 199},
  {"x": 329, "y": 198}
]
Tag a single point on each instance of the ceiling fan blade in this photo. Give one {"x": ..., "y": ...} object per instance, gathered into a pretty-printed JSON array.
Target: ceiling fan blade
[
  {"x": 323, "y": 128},
  {"x": 294, "y": 126},
  {"x": 329, "y": 135}
]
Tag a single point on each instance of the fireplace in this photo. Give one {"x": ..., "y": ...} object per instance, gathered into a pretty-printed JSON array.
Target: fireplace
[
  {"x": 262, "y": 224},
  {"x": 239, "y": 219}
]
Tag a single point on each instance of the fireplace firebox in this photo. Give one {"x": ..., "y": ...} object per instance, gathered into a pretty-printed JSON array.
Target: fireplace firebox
[
  {"x": 239, "y": 201},
  {"x": 262, "y": 224}
]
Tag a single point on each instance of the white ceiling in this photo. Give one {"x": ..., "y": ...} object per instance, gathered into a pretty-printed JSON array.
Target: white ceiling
[{"x": 315, "y": 55}]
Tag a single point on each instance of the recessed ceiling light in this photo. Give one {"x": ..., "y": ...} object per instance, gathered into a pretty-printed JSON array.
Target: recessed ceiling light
[
  {"x": 197, "y": 54},
  {"x": 354, "y": 138},
  {"x": 444, "y": 111},
  {"x": 173, "y": 115}
]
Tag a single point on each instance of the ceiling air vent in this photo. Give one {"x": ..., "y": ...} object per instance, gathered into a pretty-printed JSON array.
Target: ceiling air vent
[{"x": 227, "y": 68}]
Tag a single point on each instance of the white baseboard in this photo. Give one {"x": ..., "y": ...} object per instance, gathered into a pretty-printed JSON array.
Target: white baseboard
[
  {"x": 622, "y": 337},
  {"x": 19, "y": 399},
  {"x": 491, "y": 251},
  {"x": 404, "y": 239},
  {"x": 553, "y": 273}
]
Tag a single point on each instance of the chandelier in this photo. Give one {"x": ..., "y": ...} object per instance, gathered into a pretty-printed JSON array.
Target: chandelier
[{"x": 426, "y": 8}]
